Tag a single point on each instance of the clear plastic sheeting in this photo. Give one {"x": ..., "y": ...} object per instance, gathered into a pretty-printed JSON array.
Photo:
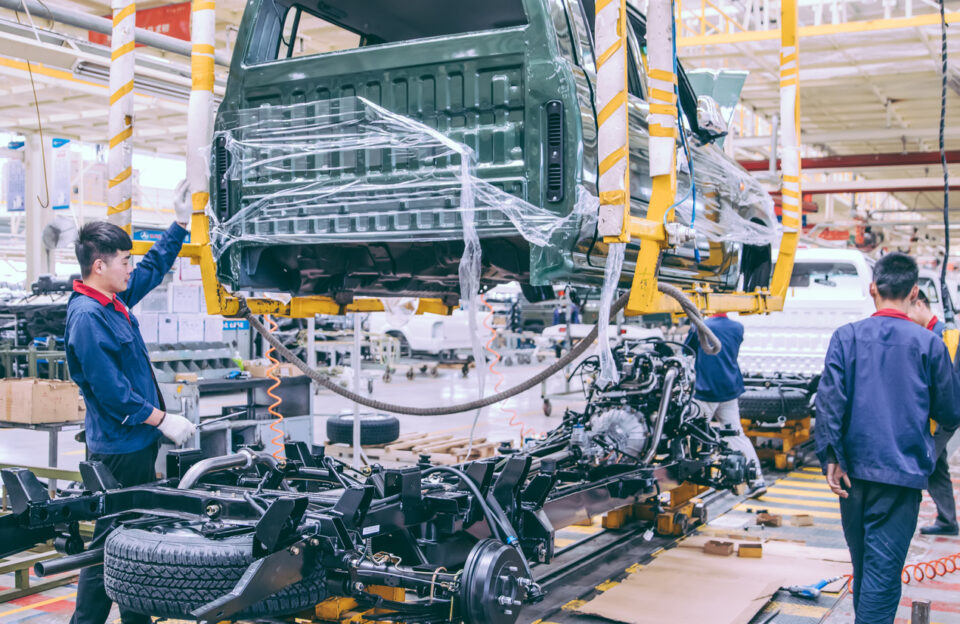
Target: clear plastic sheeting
[
  {"x": 399, "y": 310},
  {"x": 611, "y": 277},
  {"x": 732, "y": 206},
  {"x": 343, "y": 170}
]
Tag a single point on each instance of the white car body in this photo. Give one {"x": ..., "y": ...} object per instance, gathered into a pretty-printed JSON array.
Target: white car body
[
  {"x": 427, "y": 333},
  {"x": 796, "y": 339},
  {"x": 558, "y": 333}
]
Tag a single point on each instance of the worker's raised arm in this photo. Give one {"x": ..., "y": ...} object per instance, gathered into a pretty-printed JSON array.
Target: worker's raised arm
[
  {"x": 154, "y": 265},
  {"x": 944, "y": 389},
  {"x": 831, "y": 404},
  {"x": 101, "y": 356}
]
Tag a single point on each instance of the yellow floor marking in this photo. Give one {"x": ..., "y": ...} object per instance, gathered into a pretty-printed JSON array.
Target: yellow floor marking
[
  {"x": 812, "y": 469},
  {"x": 789, "y": 491},
  {"x": 608, "y": 584},
  {"x": 560, "y": 542},
  {"x": 37, "y": 604},
  {"x": 77, "y": 452},
  {"x": 802, "y": 610},
  {"x": 806, "y": 475},
  {"x": 573, "y": 605},
  {"x": 806, "y": 503},
  {"x": 586, "y": 530},
  {"x": 789, "y": 512},
  {"x": 806, "y": 485},
  {"x": 634, "y": 568}
]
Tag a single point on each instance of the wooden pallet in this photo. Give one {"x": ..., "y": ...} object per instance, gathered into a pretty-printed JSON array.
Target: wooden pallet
[{"x": 442, "y": 447}]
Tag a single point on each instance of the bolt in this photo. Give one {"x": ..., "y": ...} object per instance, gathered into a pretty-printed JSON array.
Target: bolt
[
  {"x": 359, "y": 586},
  {"x": 314, "y": 541},
  {"x": 212, "y": 509},
  {"x": 505, "y": 600},
  {"x": 294, "y": 550}
]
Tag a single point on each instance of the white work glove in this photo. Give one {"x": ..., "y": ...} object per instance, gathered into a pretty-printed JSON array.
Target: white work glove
[
  {"x": 183, "y": 202},
  {"x": 177, "y": 428}
]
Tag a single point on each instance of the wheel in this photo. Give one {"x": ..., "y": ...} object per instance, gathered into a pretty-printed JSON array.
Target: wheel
[
  {"x": 411, "y": 373},
  {"x": 172, "y": 572},
  {"x": 434, "y": 371},
  {"x": 387, "y": 377},
  {"x": 374, "y": 429},
  {"x": 547, "y": 407},
  {"x": 770, "y": 405}
]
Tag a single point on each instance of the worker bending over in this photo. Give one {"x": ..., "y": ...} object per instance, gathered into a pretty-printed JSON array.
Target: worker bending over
[
  {"x": 883, "y": 380},
  {"x": 109, "y": 361},
  {"x": 940, "y": 485},
  {"x": 720, "y": 384}
]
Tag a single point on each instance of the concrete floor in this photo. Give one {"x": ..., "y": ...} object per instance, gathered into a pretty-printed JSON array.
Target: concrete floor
[{"x": 55, "y": 606}]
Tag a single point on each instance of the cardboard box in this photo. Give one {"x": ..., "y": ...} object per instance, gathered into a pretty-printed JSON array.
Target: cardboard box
[
  {"x": 190, "y": 329},
  {"x": 37, "y": 401},
  {"x": 150, "y": 327},
  {"x": 802, "y": 520},
  {"x": 258, "y": 368},
  {"x": 213, "y": 329},
  {"x": 716, "y": 547},
  {"x": 167, "y": 329},
  {"x": 769, "y": 520},
  {"x": 753, "y": 551}
]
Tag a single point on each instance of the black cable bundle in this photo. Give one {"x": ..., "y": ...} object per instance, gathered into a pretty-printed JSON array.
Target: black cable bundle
[{"x": 948, "y": 313}]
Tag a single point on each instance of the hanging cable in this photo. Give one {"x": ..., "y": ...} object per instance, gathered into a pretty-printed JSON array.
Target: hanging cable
[
  {"x": 277, "y": 440},
  {"x": 709, "y": 343},
  {"x": 524, "y": 430},
  {"x": 948, "y": 312}
]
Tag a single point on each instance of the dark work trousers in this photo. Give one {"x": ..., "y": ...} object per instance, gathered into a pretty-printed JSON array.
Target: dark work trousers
[
  {"x": 93, "y": 605},
  {"x": 878, "y": 523},
  {"x": 941, "y": 485}
]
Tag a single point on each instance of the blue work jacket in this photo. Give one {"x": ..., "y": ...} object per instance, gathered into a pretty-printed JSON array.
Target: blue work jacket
[
  {"x": 718, "y": 376},
  {"x": 884, "y": 379},
  {"x": 108, "y": 358}
]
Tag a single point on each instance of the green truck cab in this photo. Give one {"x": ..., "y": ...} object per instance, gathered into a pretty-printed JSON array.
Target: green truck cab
[{"x": 514, "y": 80}]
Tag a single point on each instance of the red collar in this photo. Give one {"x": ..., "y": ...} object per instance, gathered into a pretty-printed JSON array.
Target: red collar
[
  {"x": 891, "y": 313},
  {"x": 720, "y": 315},
  {"x": 101, "y": 298},
  {"x": 933, "y": 322}
]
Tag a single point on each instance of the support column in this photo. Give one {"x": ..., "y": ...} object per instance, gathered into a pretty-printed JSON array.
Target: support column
[
  {"x": 120, "y": 160},
  {"x": 39, "y": 259}
]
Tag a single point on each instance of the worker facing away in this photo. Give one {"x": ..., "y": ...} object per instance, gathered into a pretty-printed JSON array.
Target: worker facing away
[
  {"x": 883, "y": 380},
  {"x": 108, "y": 359},
  {"x": 720, "y": 384},
  {"x": 940, "y": 484}
]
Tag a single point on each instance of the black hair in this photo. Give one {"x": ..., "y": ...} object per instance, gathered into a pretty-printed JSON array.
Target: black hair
[
  {"x": 895, "y": 275},
  {"x": 99, "y": 240}
]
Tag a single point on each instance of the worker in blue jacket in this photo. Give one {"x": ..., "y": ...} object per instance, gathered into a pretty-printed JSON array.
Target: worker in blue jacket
[
  {"x": 884, "y": 379},
  {"x": 940, "y": 485},
  {"x": 107, "y": 358},
  {"x": 719, "y": 386}
]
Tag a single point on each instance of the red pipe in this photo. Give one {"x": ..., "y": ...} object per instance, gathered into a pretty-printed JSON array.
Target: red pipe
[{"x": 858, "y": 161}]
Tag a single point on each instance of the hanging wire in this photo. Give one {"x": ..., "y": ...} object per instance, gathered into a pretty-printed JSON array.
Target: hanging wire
[{"x": 948, "y": 312}]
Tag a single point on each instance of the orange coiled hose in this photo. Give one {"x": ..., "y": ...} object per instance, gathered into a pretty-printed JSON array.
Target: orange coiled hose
[
  {"x": 277, "y": 441},
  {"x": 524, "y": 430},
  {"x": 930, "y": 569}
]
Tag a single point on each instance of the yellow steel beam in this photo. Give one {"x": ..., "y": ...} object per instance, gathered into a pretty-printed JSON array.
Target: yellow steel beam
[
  {"x": 847, "y": 28},
  {"x": 790, "y": 147}
]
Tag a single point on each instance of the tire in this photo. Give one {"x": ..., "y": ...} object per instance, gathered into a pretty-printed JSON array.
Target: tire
[
  {"x": 170, "y": 574},
  {"x": 772, "y": 404},
  {"x": 374, "y": 429}
]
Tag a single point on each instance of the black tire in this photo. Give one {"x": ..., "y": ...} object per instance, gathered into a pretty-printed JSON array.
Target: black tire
[
  {"x": 171, "y": 574},
  {"x": 374, "y": 429},
  {"x": 768, "y": 405}
]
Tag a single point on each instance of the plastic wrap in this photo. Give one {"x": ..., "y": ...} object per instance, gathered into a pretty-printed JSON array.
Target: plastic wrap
[
  {"x": 611, "y": 277},
  {"x": 346, "y": 170},
  {"x": 732, "y": 206}
]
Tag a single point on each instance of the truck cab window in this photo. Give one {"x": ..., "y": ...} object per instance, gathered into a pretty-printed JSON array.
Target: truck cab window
[{"x": 304, "y": 33}]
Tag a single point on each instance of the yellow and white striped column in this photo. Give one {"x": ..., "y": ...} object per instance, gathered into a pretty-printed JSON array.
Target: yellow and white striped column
[
  {"x": 199, "y": 137},
  {"x": 120, "y": 157},
  {"x": 789, "y": 146},
  {"x": 613, "y": 120}
]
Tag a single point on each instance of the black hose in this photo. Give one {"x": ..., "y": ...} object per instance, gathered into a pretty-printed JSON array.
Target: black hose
[
  {"x": 708, "y": 342},
  {"x": 948, "y": 312}
]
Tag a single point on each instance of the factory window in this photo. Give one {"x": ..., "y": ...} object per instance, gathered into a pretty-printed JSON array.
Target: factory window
[{"x": 320, "y": 26}]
